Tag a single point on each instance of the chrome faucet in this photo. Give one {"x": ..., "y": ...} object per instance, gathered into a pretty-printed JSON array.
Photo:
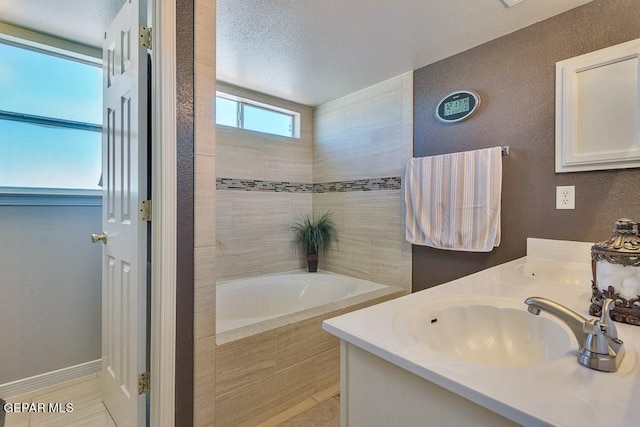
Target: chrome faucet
[{"x": 598, "y": 344}]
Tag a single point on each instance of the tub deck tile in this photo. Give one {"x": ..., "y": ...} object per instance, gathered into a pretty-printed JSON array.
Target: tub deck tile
[
  {"x": 303, "y": 340},
  {"x": 204, "y": 383},
  {"x": 262, "y": 399},
  {"x": 245, "y": 361},
  {"x": 328, "y": 369}
]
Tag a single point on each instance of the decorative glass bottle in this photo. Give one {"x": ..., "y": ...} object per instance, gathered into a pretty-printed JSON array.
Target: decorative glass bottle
[{"x": 616, "y": 275}]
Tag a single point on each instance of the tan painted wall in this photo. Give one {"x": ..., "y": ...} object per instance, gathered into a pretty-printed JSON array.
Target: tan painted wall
[{"x": 515, "y": 75}]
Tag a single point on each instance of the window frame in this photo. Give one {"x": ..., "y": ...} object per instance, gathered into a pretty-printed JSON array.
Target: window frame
[
  {"x": 242, "y": 101},
  {"x": 40, "y": 196}
]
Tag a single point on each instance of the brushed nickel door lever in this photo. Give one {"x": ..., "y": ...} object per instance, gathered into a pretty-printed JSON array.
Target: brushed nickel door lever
[{"x": 95, "y": 238}]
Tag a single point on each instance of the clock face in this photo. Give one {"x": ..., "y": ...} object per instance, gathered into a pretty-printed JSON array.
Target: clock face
[{"x": 457, "y": 106}]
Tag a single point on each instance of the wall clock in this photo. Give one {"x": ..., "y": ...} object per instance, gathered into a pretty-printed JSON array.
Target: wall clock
[{"x": 457, "y": 106}]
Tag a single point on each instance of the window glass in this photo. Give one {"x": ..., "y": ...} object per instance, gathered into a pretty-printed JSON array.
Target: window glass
[
  {"x": 50, "y": 121},
  {"x": 269, "y": 121},
  {"x": 36, "y": 83},
  {"x": 255, "y": 116},
  {"x": 226, "y": 112},
  {"x": 49, "y": 157}
]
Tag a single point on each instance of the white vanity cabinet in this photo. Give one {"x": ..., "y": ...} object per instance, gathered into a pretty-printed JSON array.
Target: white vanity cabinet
[
  {"x": 399, "y": 371},
  {"x": 375, "y": 392}
]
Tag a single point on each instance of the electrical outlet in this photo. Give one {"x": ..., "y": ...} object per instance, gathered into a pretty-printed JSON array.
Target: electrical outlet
[
  {"x": 566, "y": 197},
  {"x": 510, "y": 3}
]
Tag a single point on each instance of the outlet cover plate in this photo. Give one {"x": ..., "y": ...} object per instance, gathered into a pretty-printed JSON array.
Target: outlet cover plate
[
  {"x": 510, "y": 3},
  {"x": 566, "y": 197}
]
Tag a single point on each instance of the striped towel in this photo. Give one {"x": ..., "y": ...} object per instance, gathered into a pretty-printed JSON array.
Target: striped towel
[{"x": 453, "y": 200}]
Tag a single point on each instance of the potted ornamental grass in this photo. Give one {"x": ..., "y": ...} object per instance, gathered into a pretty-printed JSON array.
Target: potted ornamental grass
[{"x": 315, "y": 235}]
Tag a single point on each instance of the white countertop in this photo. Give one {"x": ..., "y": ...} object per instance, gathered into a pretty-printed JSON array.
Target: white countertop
[{"x": 559, "y": 393}]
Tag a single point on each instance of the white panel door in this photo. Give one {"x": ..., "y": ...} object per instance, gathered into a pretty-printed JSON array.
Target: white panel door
[{"x": 124, "y": 163}]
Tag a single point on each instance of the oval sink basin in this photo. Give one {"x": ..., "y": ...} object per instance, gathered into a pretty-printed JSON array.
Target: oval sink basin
[
  {"x": 495, "y": 331},
  {"x": 566, "y": 272}
]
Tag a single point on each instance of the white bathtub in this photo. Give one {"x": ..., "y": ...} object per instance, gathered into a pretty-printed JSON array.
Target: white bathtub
[
  {"x": 269, "y": 336},
  {"x": 244, "y": 302}
]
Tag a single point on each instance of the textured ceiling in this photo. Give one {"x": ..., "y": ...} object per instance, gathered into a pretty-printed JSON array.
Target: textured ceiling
[
  {"x": 313, "y": 51},
  {"x": 82, "y": 21}
]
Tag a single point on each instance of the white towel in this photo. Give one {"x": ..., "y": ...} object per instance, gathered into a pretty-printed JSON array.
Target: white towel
[{"x": 453, "y": 200}]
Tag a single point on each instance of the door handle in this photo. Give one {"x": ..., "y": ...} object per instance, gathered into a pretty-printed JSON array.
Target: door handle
[{"x": 95, "y": 238}]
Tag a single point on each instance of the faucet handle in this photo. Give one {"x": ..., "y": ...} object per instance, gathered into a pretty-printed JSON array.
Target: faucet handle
[
  {"x": 606, "y": 323},
  {"x": 595, "y": 341}
]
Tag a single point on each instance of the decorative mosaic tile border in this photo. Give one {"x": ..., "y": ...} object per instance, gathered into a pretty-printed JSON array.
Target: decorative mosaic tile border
[
  {"x": 258, "y": 185},
  {"x": 372, "y": 184}
]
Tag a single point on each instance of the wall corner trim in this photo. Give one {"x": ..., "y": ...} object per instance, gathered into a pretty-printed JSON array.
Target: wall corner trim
[{"x": 163, "y": 255}]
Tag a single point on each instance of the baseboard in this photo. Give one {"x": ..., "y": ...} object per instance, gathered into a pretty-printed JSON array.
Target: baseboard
[{"x": 49, "y": 379}]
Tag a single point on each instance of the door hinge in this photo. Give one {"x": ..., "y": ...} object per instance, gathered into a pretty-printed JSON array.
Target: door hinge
[
  {"x": 145, "y": 37},
  {"x": 145, "y": 210},
  {"x": 144, "y": 383}
]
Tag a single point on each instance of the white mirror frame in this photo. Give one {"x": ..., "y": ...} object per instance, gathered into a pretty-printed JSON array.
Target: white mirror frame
[{"x": 598, "y": 110}]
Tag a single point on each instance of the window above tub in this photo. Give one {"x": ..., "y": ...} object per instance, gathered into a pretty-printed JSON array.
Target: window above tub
[
  {"x": 50, "y": 121},
  {"x": 247, "y": 114}
]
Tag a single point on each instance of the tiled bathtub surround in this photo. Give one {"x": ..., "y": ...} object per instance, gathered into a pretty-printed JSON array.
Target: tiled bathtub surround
[
  {"x": 248, "y": 155},
  {"x": 264, "y": 186},
  {"x": 254, "y": 232},
  {"x": 349, "y": 160},
  {"x": 357, "y": 139},
  {"x": 264, "y": 369},
  {"x": 367, "y": 134},
  {"x": 254, "y": 220},
  {"x": 351, "y": 164}
]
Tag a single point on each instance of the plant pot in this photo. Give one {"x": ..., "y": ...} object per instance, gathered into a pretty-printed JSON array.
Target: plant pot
[
  {"x": 314, "y": 234},
  {"x": 312, "y": 260},
  {"x": 313, "y": 265}
]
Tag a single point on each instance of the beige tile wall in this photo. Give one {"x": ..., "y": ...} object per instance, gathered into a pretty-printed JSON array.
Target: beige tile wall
[
  {"x": 371, "y": 230},
  {"x": 253, "y": 228},
  {"x": 204, "y": 214},
  {"x": 368, "y": 134},
  {"x": 253, "y": 231}
]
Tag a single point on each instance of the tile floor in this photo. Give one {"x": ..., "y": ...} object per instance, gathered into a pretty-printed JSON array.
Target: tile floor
[
  {"x": 325, "y": 414},
  {"x": 321, "y": 410},
  {"x": 84, "y": 393}
]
